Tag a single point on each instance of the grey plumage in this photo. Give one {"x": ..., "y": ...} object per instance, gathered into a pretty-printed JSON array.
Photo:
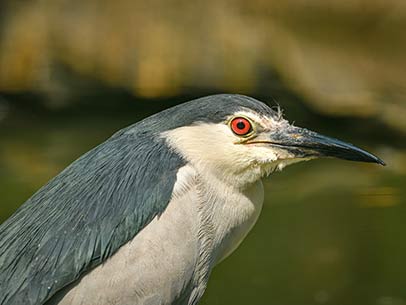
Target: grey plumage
[
  {"x": 212, "y": 109},
  {"x": 84, "y": 215}
]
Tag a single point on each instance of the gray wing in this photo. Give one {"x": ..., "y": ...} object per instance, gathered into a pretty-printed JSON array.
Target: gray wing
[{"x": 83, "y": 215}]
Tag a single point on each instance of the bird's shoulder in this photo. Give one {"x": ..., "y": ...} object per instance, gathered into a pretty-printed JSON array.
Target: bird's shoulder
[{"x": 83, "y": 215}]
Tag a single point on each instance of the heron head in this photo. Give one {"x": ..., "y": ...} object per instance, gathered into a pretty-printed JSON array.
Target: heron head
[{"x": 250, "y": 140}]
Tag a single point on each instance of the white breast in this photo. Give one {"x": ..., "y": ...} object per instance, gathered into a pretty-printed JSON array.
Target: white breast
[{"x": 234, "y": 214}]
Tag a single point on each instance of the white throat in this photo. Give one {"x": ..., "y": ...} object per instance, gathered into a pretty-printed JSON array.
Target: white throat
[{"x": 226, "y": 214}]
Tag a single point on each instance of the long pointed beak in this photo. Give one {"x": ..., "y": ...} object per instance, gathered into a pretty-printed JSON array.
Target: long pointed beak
[{"x": 305, "y": 143}]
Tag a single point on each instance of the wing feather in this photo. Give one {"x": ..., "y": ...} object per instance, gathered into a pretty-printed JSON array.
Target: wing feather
[{"x": 83, "y": 215}]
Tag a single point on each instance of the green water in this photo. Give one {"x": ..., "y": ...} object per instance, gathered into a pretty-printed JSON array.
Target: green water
[{"x": 331, "y": 232}]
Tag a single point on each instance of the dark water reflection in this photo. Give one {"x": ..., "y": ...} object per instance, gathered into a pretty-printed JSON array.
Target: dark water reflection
[{"x": 331, "y": 232}]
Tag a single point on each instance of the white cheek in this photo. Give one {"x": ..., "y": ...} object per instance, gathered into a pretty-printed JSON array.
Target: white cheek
[
  {"x": 260, "y": 154},
  {"x": 205, "y": 143}
]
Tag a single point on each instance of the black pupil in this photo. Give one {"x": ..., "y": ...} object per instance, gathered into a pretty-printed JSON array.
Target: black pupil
[{"x": 240, "y": 125}]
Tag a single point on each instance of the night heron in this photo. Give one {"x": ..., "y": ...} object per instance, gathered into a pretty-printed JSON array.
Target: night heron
[{"x": 144, "y": 217}]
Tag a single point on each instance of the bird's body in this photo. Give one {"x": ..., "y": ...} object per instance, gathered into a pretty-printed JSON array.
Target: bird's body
[
  {"x": 144, "y": 217},
  {"x": 169, "y": 262}
]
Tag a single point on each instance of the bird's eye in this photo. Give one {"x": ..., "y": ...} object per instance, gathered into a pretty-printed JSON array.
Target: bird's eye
[{"x": 241, "y": 126}]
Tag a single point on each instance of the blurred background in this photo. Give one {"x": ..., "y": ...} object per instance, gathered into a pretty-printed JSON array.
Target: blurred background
[{"x": 331, "y": 232}]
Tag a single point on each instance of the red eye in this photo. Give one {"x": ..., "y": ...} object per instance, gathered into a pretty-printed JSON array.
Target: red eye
[{"x": 241, "y": 126}]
